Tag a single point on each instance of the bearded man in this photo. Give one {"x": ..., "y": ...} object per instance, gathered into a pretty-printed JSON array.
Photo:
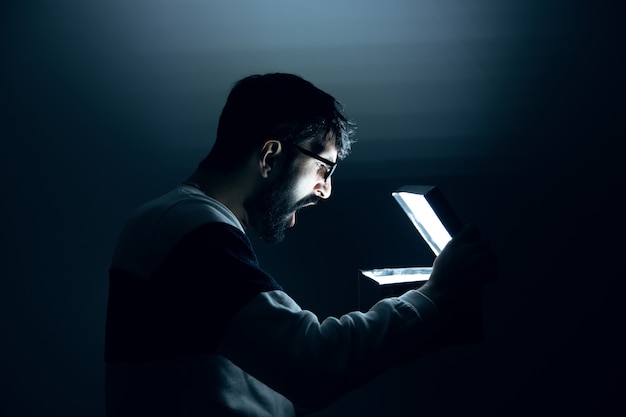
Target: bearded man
[{"x": 195, "y": 326}]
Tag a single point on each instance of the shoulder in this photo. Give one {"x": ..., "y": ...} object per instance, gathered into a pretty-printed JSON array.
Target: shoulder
[
  {"x": 159, "y": 226},
  {"x": 185, "y": 208}
]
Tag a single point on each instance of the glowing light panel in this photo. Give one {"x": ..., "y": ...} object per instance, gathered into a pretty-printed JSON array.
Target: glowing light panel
[
  {"x": 423, "y": 217},
  {"x": 385, "y": 276},
  {"x": 424, "y": 206}
]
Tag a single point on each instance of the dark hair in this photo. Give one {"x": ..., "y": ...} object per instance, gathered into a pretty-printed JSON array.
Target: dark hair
[{"x": 278, "y": 106}]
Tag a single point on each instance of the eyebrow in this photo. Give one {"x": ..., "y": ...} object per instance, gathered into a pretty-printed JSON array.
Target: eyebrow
[{"x": 315, "y": 156}]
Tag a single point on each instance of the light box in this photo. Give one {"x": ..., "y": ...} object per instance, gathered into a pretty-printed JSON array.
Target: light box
[{"x": 434, "y": 219}]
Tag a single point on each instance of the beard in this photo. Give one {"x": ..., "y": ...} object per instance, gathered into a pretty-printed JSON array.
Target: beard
[{"x": 270, "y": 211}]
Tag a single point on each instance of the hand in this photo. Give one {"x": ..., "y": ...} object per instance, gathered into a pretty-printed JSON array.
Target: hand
[{"x": 465, "y": 264}]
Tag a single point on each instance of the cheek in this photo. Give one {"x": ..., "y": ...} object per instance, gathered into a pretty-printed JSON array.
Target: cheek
[
  {"x": 300, "y": 179},
  {"x": 305, "y": 186}
]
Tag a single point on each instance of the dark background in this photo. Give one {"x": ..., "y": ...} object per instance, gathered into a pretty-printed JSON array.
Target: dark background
[{"x": 514, "y": 109}]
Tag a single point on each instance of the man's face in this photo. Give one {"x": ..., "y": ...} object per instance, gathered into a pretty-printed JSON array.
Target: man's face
[{"x": 299, "y": 185}]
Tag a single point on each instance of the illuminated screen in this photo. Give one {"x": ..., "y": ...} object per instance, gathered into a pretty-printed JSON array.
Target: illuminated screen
[
  {"x": 414, "y": 202},
  {"x": 424, "y": 219},
  {"x": 385, "y": 276}
]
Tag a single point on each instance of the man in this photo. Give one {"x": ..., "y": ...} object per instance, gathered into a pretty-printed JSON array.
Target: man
[{"x": 196, "y": 327}]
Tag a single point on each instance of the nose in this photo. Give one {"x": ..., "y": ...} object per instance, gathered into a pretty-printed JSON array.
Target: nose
[{"x": 324, "y": 188}]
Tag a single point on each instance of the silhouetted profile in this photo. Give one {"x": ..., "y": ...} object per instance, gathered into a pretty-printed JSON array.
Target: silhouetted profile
[{"x": 196, "y": 327}]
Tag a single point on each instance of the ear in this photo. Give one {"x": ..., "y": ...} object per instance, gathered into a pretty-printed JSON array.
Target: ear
[{"x": 269, "y": 157}]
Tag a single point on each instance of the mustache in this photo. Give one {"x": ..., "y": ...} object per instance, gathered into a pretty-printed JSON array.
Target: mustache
[{"x": 312, "y": 199}]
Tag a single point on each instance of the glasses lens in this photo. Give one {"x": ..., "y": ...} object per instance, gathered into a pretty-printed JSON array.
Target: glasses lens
[
  {"x": 330, "y": 165},
  {"x": 329, "y": 172}
]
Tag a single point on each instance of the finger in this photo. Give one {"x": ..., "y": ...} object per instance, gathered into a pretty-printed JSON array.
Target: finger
[
  {"x": 486, "y": 265},
  {"x": 484, "y": 260},
  {"x": 469, "y": 233},
  {"x": 472, "y": 249}
]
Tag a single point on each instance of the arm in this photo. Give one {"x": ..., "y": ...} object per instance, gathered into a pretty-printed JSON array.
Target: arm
[{"x": 312, "y": 361}]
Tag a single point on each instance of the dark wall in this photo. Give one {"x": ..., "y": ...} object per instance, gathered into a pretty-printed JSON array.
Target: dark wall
[
  {"x": 554, "y": 319},
  {"x": 553, "y": 341},
  {"x": 551, "y": 206}
]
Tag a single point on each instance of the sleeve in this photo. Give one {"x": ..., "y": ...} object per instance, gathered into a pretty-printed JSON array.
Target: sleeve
[{"x": 313, "y": 362}]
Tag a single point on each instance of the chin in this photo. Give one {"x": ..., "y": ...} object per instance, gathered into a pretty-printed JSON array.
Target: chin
[
  {"x": 274, "y": 234},
  {"x": 274, "y": 239}
]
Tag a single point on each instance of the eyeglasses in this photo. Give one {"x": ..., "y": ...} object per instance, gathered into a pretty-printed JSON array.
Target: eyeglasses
[{"x": 330, "y": 166}]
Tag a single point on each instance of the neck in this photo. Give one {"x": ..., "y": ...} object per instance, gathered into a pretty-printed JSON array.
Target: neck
[{"x": 230, "y": 189}]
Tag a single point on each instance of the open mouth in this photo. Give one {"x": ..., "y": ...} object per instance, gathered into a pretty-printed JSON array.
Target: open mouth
[{"x": 292, "y": 216}]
